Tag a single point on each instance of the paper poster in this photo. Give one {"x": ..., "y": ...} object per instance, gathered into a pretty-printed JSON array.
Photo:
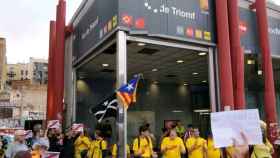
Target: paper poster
[
  {"x": 78, "y": 127},
  {"x": 54, "y": 124},
  {"x": 51, "y": 155},
  {"x": 227, "y": 126}
]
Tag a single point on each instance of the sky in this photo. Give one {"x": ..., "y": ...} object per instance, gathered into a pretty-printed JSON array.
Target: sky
[{"x": 25, "y": 25}]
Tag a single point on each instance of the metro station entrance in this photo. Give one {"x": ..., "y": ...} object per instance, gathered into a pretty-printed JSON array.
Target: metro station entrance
[{"x": 178, "y": 84}]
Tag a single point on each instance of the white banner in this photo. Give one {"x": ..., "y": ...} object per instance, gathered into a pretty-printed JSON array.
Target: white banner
[
  {"x": 54, "y": 124},
  {"x": 78, "y": 127},
  {"x": 227, "y": 126},
  {"x": 51, "y": 155}
]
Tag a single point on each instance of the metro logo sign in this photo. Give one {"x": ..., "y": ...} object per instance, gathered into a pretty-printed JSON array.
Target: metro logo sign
[
  {"x": 189, "y": 32},
  {"x": 243, "y": 27},
  {"x": 127, "y": 20},
  {"x": 140, "y": 23}
]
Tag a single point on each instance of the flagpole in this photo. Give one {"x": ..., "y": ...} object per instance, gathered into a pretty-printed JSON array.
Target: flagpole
[{"x": 121, "y": 80}]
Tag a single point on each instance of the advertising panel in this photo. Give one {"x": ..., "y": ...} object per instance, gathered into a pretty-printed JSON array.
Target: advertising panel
[
  {"x": 249, "y": 32},
  {"x": 188, "y": 20},
  {"x": 97, "y": 22}
]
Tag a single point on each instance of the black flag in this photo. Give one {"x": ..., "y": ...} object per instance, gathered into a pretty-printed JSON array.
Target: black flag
[{"x": 107, "y": 108}]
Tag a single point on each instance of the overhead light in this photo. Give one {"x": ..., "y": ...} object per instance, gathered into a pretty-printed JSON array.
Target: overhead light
[
  {"x": 185, "y": 84},
  {"x": 195, "y": 73},
  {"x": 155, "y": 82},
  {"x": 202, "y": 53},
  {"x": 141, "y": 44},
  {"x": 260, "y": 72},
  {"x": 202, "y": 110},
  {"x": 250, "y": 62},
  {"x": 177, "y": 111},
  {"x": 105, "y": 65},
  {"x": 180, "y": 61},
  {"x": 154, "y": 70},
  {"x": 204, "y": 81},
  {"x": 204, "y": 113}
]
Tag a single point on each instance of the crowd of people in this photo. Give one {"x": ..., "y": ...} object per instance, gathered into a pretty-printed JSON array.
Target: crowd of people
[{"x": 175, "y": 142}]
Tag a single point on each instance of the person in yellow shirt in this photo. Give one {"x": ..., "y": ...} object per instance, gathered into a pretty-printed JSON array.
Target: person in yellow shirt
[
  {"x": 98, "y": 147},
  {"x": 172, "y": 146},
  {"x": 265, "y": 149},
  {"x": 196, "y": 145},
  {"x": 212, "y": 152},
  {"x": 115, "y": 151},
  {"x": 142, "y": 145},
  {"x": 180, "y": 129},
  {"x": 82, "y": 145}
]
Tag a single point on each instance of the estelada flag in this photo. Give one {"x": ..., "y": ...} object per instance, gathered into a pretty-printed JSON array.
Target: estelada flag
[{"x": 127, "y": 93}]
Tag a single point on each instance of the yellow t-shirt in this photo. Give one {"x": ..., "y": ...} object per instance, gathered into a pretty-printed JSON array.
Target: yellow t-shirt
[
  {"x": 212, "y": 152},
  {"x": 230, "y": 150},
  {"x": 263, "y": 150},
  {"x": 145, "y": 146},
  {"x": 199, "y": 151},
  {"x": 82, "y": 143},
  {"x": 96, "y": 148},
  {"x": 176, "y": 146},
  {"x": 115, "y": 150},
  {"x": 35, "y": 154}
]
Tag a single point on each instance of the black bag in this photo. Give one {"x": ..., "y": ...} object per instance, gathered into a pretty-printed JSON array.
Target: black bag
[{"x": 84, "y": 154}]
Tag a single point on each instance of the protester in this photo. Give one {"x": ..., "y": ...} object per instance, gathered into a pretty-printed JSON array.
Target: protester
[
  {"x": 82, "y": 144},
  {"x": 98, "y": 147},
  {"x": 23, "y": 154},
  {"x": 180, "y": 129},
  {"x": 53, "y": 139},
  {"x": 68, "y": 145},
  {"x": 17, "y": 145},
  {"x": 196, "y": 145},
  {"x": 189, "y": 132},
  {"x": 212, "y": 152},
  {"x": 115, "y": 151},
  {"x": 2, "y": 150},
  {"x": 238, "y": 150},
  {"x": 165, "y": 133},
  {"x": 40, "y": 148},
  {"x": 264, "y": 150},
  {"x": 142, "y": 145},
  {"x": 172, "y": 146}
]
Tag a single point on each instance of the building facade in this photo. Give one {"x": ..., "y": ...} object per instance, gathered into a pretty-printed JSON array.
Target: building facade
[
  {"x": 36, "y": 71},
  {"x": 3, "y": 62}
]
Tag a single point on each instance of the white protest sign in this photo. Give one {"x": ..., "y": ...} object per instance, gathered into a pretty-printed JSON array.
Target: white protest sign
[
  {"x": 51, "y": 155},
  {"x": 28, "y": 134},
  {"x": 54, "y": 124},
  {"x": 227, "y": 126},
  {"x": 78, "y": 127}
]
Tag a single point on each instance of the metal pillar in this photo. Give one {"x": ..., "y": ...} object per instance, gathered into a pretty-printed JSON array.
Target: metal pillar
[
  {"x": 269, "y": 89},
  {"x": 212, "y": 80},
  {"x": 50, "y": 97},
  {"x": 237, "y": 56},
  {"x": 121, "y": 80},
  {"x": 224, "y": 60},
  {"x": 59, "y": 58}
]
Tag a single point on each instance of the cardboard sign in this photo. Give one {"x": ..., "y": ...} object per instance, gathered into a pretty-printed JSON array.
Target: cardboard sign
[
  {"x": 78, "y": 127},
  {"x": 54, "y": 124},
  {"x": 28, "y": 134},
  {"x": 229, "y": 125},
  {"x": 51, "y": 155}
]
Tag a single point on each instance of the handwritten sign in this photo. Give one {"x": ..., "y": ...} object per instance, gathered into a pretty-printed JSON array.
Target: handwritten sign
[
  {"x": 228, "y": 125},
  {"x": 51, "y": 155},
  {"x": 54, "y": 124},
  {"x": 78, "y": 127}
]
